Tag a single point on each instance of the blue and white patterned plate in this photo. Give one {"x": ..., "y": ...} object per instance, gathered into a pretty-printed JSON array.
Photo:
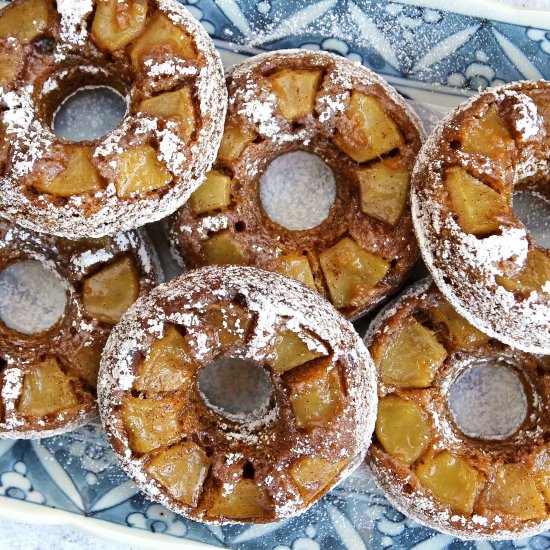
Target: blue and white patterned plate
[{"x": 432, "y": 55}]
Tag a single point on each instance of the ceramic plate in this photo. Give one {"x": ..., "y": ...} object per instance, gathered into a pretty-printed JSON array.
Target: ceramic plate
[{"x": 432, "y": 55}]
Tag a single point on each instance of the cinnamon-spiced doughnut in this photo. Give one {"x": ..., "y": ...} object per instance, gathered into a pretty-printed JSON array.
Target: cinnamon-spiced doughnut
[
  {"x": 467, "y": 485},
  {"x": 322, "y": 104},
  {"x": 212, "y": 465},
  {"x": 479, "y": 253},
  {"x": 152, "y": 52},
  {"x": 48, "y": 378}
]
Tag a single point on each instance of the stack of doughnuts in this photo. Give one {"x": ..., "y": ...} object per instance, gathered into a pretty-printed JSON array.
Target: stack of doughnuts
[{"x": 192, "y": 149}]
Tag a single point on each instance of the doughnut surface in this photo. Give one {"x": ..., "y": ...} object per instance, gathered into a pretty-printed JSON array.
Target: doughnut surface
[
  {"x": 156, "y": 55},
  {"x": 323, "y": 104},
  {"x": 479, "y": 253},
  {"x": 311, "y": 432},
  {"x": 468, "y": 486},
  {"x": 48, "y": 379}
]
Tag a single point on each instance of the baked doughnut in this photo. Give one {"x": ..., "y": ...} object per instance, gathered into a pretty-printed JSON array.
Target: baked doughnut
[
  {"x": 471, "y": 487},
  {"x": 152, "y": 52},
  {"x": 48, "y": 378},
  {"x": 297, "y": 100},
  {"x": 479, "y": 253},
  {"x": 204, "y": 462}
]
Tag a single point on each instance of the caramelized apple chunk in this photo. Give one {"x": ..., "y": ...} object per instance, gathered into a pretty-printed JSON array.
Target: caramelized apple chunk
[
  {"x": 79, "y": 176},
  {"x": 384, "y": 190},
  {"x": 296, "y": 267},
  {"x": 86, "y": 362},
  {"x": 514, "y": 491},
  {"x": 150, "y": 423},
  {"x": 110, "y": 292},
  {"x": 543, "y": 474},
  {"x": 25, "y": 21},
  {"x": 295, "y": 90},
  {"x": 315, "y": 394},
  {"x": 535, "y": 276},
  {"x": 349, "y": 270},
  {"x": 177, "y": 104},
  {"x": 452, "y": 480},
  {"x": 230, "y": 324},
  {"x": 367, "y": 131},
  {"x": 12, "y": 59},
  {"x": 479, "y": 209},
  {"x": 46, "y": 390},
  {"x": 290, "y": 351},
  {"x": 235, "y": 139},
  {"x": 182, "y": 469},
  {"x": 402, "y": 428},
  {"x": 139, "y": 170},
  {"x": 168, "y": 365},
  {"x": 223, "y": 248},
  {"x": 163, "y": 38},
  {"x": 116, "y": 23},
  {"x": 214, "y": 193},
  {"x": 313, "y": 474},
  {"x": 245, "y": 500},
  {"x": 412, "y": 357}
]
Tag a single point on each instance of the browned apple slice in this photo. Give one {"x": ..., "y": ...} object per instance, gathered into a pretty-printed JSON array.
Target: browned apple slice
[
  {"x": 313, "y": 474},
  {"x": 235, "y": 139},
  {"x": 535, "y": 276},
  {"x": 296, "y": 267},
  {"x": 295, "y": 90},
  {"x": 245, "y": 500},
  {"x": 223, "y": 248},
  {"x": 25, "y": 21},
  {"x": 290, "y": 351},
  {"x": 213, "y": 194}
]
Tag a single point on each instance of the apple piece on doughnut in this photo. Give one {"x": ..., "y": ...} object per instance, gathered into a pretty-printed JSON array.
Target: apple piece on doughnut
[
  {"x": 290, "y": 351},
  {"x": 86, "y": 361},
  {"x": 297, "y": 267},
  {"x": 46, "y": 389},
  {"x": 402, "y": 428},
  {"x": 25, "y": 21},
  {"x": 412, "y": 357},
  {"x": 451, "y": 479},
  {"x": 534, "y": 276},
  {"x": 480, "y": 210},
  {"x": 295, "y": 90},
  {"x": 182, "y": 469},
  {"x": 514, "y": 491},
  {"x": 117, "y": 23},
  {"x": 138, "y": 170},
  {"x": 543, "y": 474},
  {"x": 313, "y": 473},
  {"x": 12, "y": 58},
  {"x": 367, "y": 131},
  {"x": 243, "y": 500},
  {"x": 150, "y": 423},
  {"x": 315, "y": 393},
  {"x": 110, "y": 292},
  {"x": 349, "y": 270},
  {"x": 177, "y": 104},
  {"x": 167, "y": 366},
  {"x": 79, "y": 176},
  {"x": 162, "y": 37},
  {"x": 213, "y": 194},
  {"x": 222, "y": 248},
  {"x": 384, "y": 190},
  {"x": 234, "y": 140},
  {"x": 230, "y": 323}
]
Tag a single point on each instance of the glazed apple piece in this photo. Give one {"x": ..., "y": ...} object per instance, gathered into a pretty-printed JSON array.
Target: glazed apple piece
[
  {"x": 402, "y": 428},
  {"x": 480, "y": 210},
  {"x": 313, "y": 474},
  {"x": 46, "y": 389},
  {"x": 235, "y": 139},
  {"x": 182, "y": 469},
  {"x": 79, "y": 176},
  {"x": 138, "y": 170},
  {"x": 229, "y": 324},
  {"x": 452, "y": 480},
  {"x": 11, "y": 62},
  {"x": 367, "y": 131},
  {"x": 543, "y": 474},
  {"x": 350, "y": 270},
  {"x": 213, "y": 194},
  {"x": 223, "y": 248},
  {"x": 514, "y": 491},
  {"x": 25, "y": 21},
  {"x": 412, "y": 357},
  {"x": 296, "y": 267},
  {"x": 535, "y": 276},
  {"x": 150, "y": 423},
  {"x": 461, "y": 333},
  {"x": 315, "y": 394},
  {"x": 163, "y": 38},
  {"x": 290, "y": 351},
  {"x": 177, "y": 104},
  {"x": 116, "y": 23},
  {"x": 168, "y": 365},
  {"x": 384, "y": 190},
  {"x": 245, "y": 500},
  {"x": 295, "y": 90},
  {"x": 110, "y": 292},
  {"x": 86, "y": 362}
]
